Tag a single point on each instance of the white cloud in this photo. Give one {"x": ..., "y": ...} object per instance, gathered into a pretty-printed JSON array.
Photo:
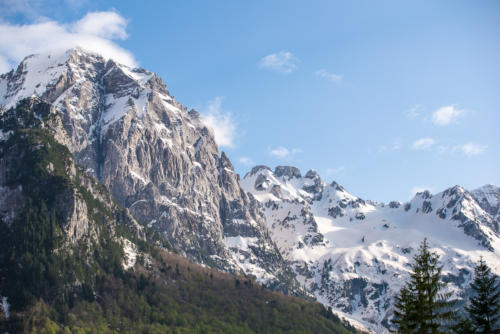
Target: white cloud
[
  {"x": 470, "y": 149},
  {"x": 322, "y": 73},
  {"x": 108, "y": 25},
  {"x": 245, "y": 160},
  {"x": 283, "y": 61},
  {"x": 414, "y": 111},
  {"x": 96, "y": 31},
  {"x": 395, "y": 146},
  {"x": 283, "y": 152},
  {"x": 220, "y": 122},
  {"x": 446, "y": 115},
  {"x": 423, "y": 144},
  {"x": 332, "y": 171}
]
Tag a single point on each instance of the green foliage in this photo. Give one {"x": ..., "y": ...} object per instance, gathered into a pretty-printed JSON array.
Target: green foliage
[
  {"x": 32, "y": 266},
  {"x": 404, "y": 313},
  {"x": 421, "y": 307},
  {"x": 484, "y": 308},
  {"x": 35, "y": 260},
  {"x": 191, "y": 299},
  {"x": 463, "y": 325}
]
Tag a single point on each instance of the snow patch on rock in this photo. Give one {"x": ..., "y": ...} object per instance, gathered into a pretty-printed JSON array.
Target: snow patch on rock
[{"x": 130, "y": 250}]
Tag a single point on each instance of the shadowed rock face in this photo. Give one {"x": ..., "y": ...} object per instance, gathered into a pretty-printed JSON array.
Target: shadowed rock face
[
  {"x": 288, "y": 171},
  {"x": 157, "y": 159}
]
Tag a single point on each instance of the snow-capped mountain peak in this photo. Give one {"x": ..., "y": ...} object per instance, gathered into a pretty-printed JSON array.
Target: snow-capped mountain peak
[
  {"x": 354, "y": 254},
  {"x": 157, "y": 159},
  {"x": 488, "y": 196}
]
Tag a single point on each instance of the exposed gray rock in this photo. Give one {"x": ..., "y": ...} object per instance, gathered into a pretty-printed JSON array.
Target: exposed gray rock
[
  {"x": 257, "y": 169},
  {"x": 288, "y": 171},
  {"x": 158, "y": 160},
  {"x": 261, "y": 183}
]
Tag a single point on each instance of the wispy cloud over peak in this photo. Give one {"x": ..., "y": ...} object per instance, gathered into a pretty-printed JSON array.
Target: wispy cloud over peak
[
  {"x": 96, "y": 31},
  {"x": 220, "y": 122},
  {"x": 109, "y": 25},
  {"x": 447, "y": 115},
  {"x": 282, "y": 61}
]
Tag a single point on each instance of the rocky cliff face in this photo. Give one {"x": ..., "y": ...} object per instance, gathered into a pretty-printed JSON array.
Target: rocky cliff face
[
  {"x": 157, "y": 159},
  {"x": 356, "y": 254},
  {"x": 59, "y": 228}
]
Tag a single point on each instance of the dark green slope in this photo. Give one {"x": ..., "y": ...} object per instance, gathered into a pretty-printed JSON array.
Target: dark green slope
[{"x": 57, "y": 283}]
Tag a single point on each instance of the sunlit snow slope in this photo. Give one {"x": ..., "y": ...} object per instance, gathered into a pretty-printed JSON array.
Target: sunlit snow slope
[{"x": 356, "y": 254}]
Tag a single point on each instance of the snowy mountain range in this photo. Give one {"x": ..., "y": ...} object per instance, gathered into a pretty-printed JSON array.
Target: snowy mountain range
[
  {"x": 294, "y": 233},
  {"x": 355, "y": 255}
]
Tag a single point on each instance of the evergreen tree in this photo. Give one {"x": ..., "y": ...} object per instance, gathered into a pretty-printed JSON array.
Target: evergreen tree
[
  {"x": 404, "y": 312},
  {"x": 421, "y": 307},
  {"x": 463, "y": 325},
  {"x": 484, "y": 308}
]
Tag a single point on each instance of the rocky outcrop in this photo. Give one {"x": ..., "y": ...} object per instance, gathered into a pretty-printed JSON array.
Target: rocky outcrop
[{"x": 157, "y": 159}]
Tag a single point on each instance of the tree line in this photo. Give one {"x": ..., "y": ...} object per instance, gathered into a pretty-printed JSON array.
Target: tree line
[{"x": 422, "y": 306}]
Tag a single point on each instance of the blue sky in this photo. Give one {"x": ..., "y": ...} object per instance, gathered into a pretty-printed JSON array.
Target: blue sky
[{"x": 384, "y": 97}]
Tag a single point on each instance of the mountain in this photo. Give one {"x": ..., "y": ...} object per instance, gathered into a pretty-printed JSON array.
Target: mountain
[
  {"x": 104, "y": 176},
  {"x": 157, "y": 159},
  {"x": 355, "y": 254},
  {"x": 90, "y": 151}
]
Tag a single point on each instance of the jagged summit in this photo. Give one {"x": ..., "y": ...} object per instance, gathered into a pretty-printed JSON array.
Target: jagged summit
[
  {"x": 288, "y": 171},
  {"x": 48, "y": 76},
  {"x": 489, "y": 198},
  {"x": 312, "y": 174}
]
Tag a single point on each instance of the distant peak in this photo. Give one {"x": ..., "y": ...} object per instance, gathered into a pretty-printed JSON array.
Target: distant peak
[
  {"x": 289, "y": 171},
  {"x": 455, "y": 190},
  {"x": 487, "y": 188},
  {"x": 259, "y": 168},
  {"x": 337, "y": 186},
  {"x": 424, "y": 194},
  {"x": 312, "y": 174}
]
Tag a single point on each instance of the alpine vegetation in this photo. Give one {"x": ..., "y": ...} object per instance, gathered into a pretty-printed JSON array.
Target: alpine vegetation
[
  {"x": 422, "y": 306},
  {"x": 483, "y": 310}
]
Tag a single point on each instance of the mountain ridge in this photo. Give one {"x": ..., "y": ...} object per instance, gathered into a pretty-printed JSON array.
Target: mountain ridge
[{"x": 354, "y": 254}]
